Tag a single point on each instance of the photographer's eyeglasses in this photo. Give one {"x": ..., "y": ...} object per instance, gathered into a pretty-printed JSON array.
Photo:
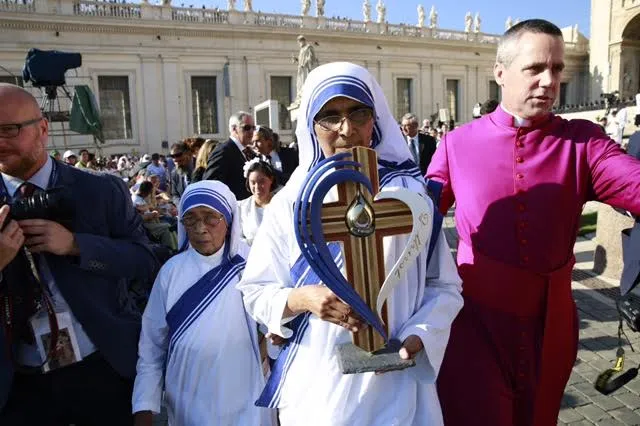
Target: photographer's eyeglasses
[
  {"x": 333, "y": 123},
  {"x": 209, "y": 220},
  {"x": 13, "y": 130}
]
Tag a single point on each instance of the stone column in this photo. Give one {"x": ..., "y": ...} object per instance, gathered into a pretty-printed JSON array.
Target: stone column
[
  {"x": 152, "y": 98},
  {"x": 174, "y": 114},
  {"x": 615, "y": 76}
]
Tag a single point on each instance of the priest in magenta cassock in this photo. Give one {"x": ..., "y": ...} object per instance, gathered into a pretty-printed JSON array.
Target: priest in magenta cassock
[
  {"x": 343, "y": 106},
  {"x": 519, "y": 178}
]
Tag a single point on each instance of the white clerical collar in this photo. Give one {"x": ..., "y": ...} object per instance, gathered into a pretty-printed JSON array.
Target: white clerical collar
[
  {"x": 214, "y": 259},
  {"x": 517, "y": 121},
  {"x": 39, "y": 179},
  {"x": 238, "y": 144}
]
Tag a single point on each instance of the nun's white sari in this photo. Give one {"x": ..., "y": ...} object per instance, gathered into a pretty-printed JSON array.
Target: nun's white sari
[
  {"x": 306, "y": 382},
  {"x": 197, "y": 343}
]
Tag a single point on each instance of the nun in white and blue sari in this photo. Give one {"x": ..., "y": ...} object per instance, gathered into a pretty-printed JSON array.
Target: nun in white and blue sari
[
  {"x": 197, "y": 343},
  {"x": 342, "y": 105}
]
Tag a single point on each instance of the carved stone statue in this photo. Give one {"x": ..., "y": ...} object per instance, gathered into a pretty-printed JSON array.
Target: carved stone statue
[
  {"x": 468, "y": 21},
  {"x": 433, "y": 18},
  {"x": 231, "y": 4},
  {"x": 320, "y": 8},
  {"x": 248, "y": 7},
  {"x": 476, "y": 23},
  {"x": 306, "y": 5},
  {"x": 366, "y": 11},
  {"x": 508, "y": 24},
  {"x": 421, "y": 16},
  {"x": 307, "y": 61},
  {"x": 627, "y": 80},
  {"x": 382, "y": 12}
]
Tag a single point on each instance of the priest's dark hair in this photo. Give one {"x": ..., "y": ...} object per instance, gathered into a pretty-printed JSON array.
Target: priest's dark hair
[{"x": 506, "y": 47}]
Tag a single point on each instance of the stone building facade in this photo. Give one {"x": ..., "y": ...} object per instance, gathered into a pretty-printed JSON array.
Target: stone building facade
[{"x": 161, "y": 73}]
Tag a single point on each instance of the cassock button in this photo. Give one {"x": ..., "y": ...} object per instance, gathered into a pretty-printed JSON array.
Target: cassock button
[
  {"x": 523, "y": 242},
  {"x": 519, "y": 159},
  {"x": 525, "y": 259},
  {"x": 519, "y": 175},
  {"x": 519, "y": 144},
  {"x": 522, "y": 225},
  {"x": 521, "y": 207}
]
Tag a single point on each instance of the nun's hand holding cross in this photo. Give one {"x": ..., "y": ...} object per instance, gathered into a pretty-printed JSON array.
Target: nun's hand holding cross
[{"x": 323, "y": 303}]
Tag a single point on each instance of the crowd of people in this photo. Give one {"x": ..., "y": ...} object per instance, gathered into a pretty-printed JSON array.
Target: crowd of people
[{"x": 236, "y": 327}]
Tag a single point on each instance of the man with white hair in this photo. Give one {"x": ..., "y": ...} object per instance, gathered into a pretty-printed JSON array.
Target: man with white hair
[{"x": 227, "y": 159}]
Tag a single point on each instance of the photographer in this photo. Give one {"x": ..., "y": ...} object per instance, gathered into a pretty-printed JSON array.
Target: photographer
[{"x": 71, "y": 267}]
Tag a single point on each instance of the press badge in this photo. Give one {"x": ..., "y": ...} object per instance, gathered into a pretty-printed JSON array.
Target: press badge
[{"x": 67, "y": 351}]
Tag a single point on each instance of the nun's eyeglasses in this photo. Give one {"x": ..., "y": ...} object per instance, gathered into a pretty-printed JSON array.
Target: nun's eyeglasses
[
  {"x": 209, "y": 220},
  {"x": 333, "y": 123}
]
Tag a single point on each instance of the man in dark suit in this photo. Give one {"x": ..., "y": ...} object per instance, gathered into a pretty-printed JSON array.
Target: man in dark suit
[
  {"x": 227, "y": 159},
  {"x": 283, "y": 160},
  {"x": 422, "y": 146},
  {"x": 181, "y": 174},
  {"x": 78, "y": 271}
]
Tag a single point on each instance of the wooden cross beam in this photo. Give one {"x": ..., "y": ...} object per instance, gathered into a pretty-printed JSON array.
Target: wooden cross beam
[{"x": 364, "y": 256}]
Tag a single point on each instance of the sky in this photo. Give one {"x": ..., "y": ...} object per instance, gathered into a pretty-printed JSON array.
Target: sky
[{"x": 493, "y": 13}]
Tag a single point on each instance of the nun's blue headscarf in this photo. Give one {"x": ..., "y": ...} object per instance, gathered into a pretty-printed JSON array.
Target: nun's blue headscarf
[
  {"x": 343, "y": 79},
  {"x": 216, "y": 196}
]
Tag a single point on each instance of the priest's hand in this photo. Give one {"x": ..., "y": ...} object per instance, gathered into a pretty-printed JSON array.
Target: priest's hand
[
  {"x": 410, "y": 347},
  {"x": 143, "y": 418},
  {"x": 323, "y": 303},
  {"x": 48, "y": 236}
]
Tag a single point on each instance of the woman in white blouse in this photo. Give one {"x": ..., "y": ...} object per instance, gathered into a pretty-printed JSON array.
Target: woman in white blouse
[{"x": 261, "y": 182}]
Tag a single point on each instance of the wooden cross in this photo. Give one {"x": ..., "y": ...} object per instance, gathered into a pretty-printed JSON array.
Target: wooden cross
[{"x": 364, "y": 256}]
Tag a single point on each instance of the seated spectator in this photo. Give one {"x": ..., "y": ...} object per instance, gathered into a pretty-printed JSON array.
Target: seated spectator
[
  {"x": 202, "y": 158},
  {"x": 157, "y": 169},
  {"x": 160, "y": 231},
  {"x": 261, "y": 181},
  {"x": 70, "y": 158},
  {"x": 160, "y": 200},
  {"x": 84, "y": 159}
]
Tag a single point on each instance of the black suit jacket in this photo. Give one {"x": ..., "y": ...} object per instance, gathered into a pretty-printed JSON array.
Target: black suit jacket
[
  {"x": 634, "y": 145},
  {"x": 113, "y": 250},
  {"x": 289, "y": 158},
  {"x": 631, "y": 238},
  {"x": 225, "y": 164},
  {"x": 427, "y": 146}
]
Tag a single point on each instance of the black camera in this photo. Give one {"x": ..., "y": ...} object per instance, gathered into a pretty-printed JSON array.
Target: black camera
[
  {"x": 53, "y": 204},
  {"x": 629, "y": 309},
  {"x": 47, "y": 67}
]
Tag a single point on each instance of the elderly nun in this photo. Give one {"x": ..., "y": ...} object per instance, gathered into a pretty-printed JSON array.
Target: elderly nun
[
  {"x": 197, "y": 343},
  {"x": 342, "y": 106}
]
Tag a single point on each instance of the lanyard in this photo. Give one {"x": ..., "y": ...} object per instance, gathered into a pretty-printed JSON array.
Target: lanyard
[{"x": 6, "y": 303}]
